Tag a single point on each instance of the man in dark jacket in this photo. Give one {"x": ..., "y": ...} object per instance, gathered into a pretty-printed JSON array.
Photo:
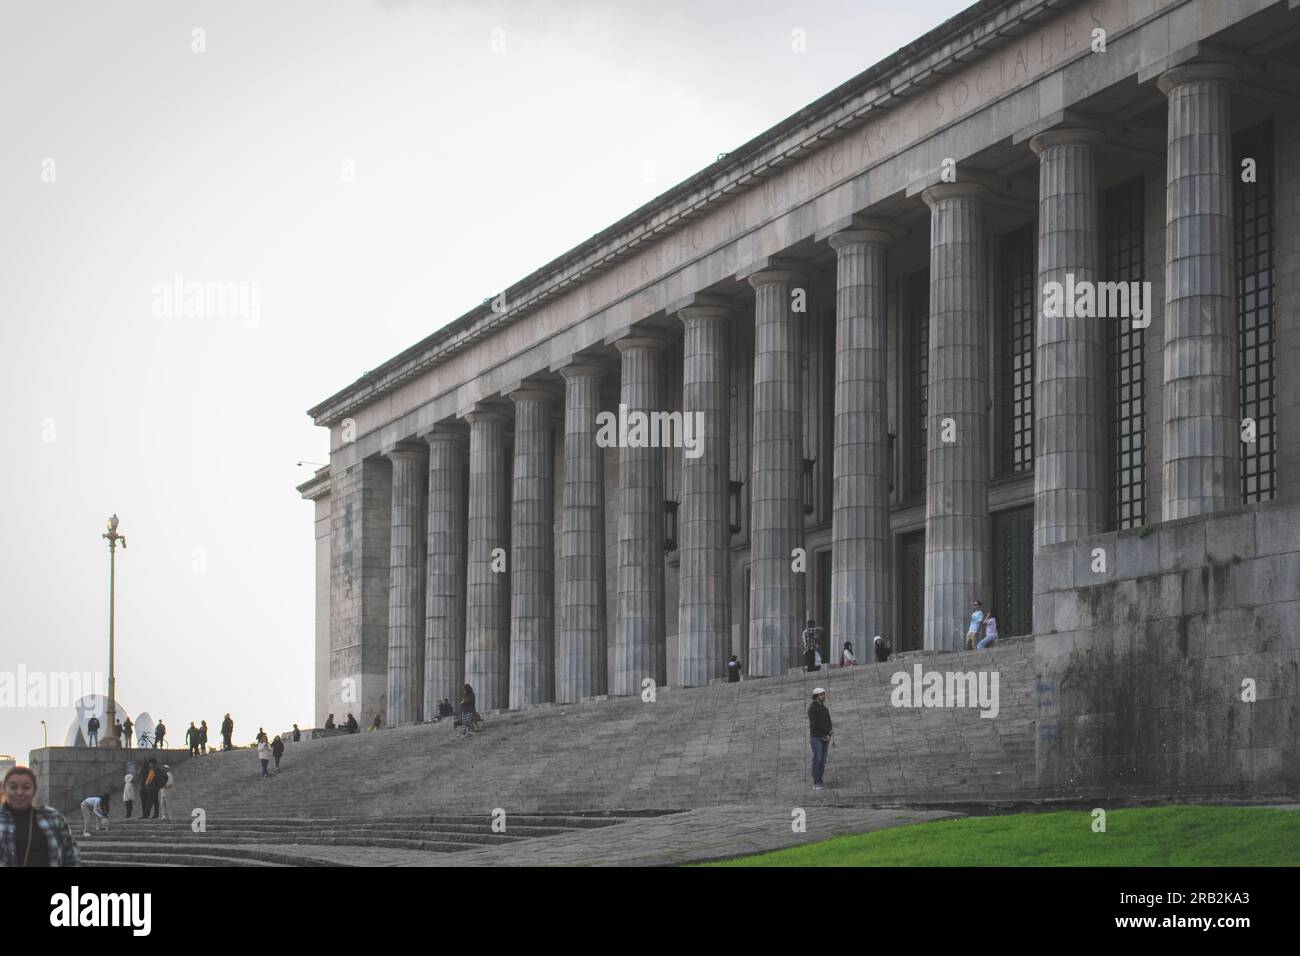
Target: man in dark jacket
[
  {"x": 92, "y": 732},
  {"x": 227, "y": 731},
  {"x": 192, "y": 739},
  {"x": 159, "y": 734},
  {"x": 150, "y": 779},
  {"x": 819, "y": 733},
  {"x": 733, "y": 670},
  {"x": 128, "y": 728}
]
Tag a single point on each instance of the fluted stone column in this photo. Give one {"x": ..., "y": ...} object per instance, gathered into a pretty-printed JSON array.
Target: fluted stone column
[
  {"x": 957, "y": 525},
  {"x": 861, "y": 604},
  {"x": 487, "y": 597},
  {"x": 1202, "y": 427},
  {"x": 703, "y": 613},
  {"x": 444, "y": 600},
  {"x": 639, "y": 634},
  {"x": 1070, "y": 451},
  {"x": 776, "y": 596},
  {"x": 532, "y": 551},
  {"x": 406, "y": 584},
  {"x": 581, "y": 645}
]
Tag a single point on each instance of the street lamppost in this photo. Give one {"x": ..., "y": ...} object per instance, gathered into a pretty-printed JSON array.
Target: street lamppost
[{"x": 110, "y": 716}]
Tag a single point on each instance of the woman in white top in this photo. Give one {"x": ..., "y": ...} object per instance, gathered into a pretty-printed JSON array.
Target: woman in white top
[
  {"x": 847, "y": 657},
  {"x": 95, "y": 808},
  {"x": 128, "y": 793},
  {"x": 264, "y": 754}
]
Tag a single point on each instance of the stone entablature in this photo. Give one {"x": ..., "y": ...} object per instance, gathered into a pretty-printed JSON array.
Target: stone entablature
[{"x": 826, "y": 163}]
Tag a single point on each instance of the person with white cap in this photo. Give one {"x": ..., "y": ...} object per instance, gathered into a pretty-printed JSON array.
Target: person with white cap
[{"x": 819, "y": 733}]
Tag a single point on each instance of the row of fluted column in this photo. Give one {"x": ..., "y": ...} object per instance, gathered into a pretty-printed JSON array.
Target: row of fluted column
[{"x": 472, "y": 593}]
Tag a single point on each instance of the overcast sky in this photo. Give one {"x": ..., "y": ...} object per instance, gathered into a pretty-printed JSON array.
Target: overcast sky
[{"x": 370, "y": 169}]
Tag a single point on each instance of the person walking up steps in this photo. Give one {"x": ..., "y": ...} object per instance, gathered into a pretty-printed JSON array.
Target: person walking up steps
[{"x": 819, "y": 734}]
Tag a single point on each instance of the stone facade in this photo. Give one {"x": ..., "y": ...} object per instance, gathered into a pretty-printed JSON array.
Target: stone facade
[{"x": 868, "y": 451}]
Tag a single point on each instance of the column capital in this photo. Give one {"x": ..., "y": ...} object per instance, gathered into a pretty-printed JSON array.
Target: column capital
[
  {"x": 859, "y": 228},
  {"x": 1211, "y": 72},
  {"x": 940, "y": 192},
  {"x": 452, "y": 432},
  {"x": 404, "y": 449},
  {"x": 491, "y": 410},
  {"x": 699, "y": 306},
  {"x": 770, "y": 270},
  {"x": 532, "y": 389},
  {"x": 647, "y": 339},
  {"x": 1066, "y": 136},
  {"x": 586, "y": 368}
]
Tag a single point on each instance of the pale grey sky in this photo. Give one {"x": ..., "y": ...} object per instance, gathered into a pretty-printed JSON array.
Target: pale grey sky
[{"x": 129, "y": 158}]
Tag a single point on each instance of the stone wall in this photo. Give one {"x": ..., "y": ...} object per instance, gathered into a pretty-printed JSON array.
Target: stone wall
[
  {"x": 1146, "y": 642},
  {"x": 67, "y": 775}
]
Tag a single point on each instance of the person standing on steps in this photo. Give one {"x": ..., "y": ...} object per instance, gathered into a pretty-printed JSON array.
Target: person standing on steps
[
  {"x": 976, "y": 624},
  {"x": 819, "y": 734},
  {"x": 128, "y": 729},
  {"x": 149, "y": 790},
  {"x": 92, "y": 732},
  {"x": 159, "y": 734},
  {"x": 264, "y": 754},
  {"x": 128, "y": 791},
  {"x": 261, "y": 735},
  {"x": 467, "y": 710},
  {"x": 811, "y": 638},
  {"x": 227, "y": 731},
  {"x": 883, "y": 649},
  {"x": 117, "y": 731},
  {"x": 297, "y": 734},
  {"x": 165, "y": 792},
  {"x": 277, "y": 751},
  {"x": 203, "y": 737},
  {"x": 32, "y": 835},
  {"x": 733, "y": 670},
  {"x": 192, "y": 739}
]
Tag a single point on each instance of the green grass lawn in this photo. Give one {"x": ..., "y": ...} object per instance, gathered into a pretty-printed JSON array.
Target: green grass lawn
[{"x": 1157, "y": 836}]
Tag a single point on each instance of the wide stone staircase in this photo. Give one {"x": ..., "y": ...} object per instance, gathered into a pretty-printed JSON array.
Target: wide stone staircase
[{"x": 557, "y": 767}]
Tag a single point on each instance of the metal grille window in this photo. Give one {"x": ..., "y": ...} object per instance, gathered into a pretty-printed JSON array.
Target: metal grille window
[
  {"x": 1016, "y": 315},
  {"x": 1126, "y": 359},
  {"x": 917, "y": 385},
  {"x": 1253, "y": 224}
]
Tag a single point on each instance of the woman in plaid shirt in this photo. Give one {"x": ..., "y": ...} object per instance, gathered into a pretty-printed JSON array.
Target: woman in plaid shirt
[{"x": 32, "y": 835}]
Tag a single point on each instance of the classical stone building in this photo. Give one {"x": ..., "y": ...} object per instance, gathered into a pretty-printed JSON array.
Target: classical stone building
[{"x": 894, "y": 423}]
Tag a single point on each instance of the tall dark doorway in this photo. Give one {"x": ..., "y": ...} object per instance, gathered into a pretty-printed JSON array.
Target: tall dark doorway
[
  {"x": 1012, "y": 600},
  {"x": 911, "y": 602}
]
